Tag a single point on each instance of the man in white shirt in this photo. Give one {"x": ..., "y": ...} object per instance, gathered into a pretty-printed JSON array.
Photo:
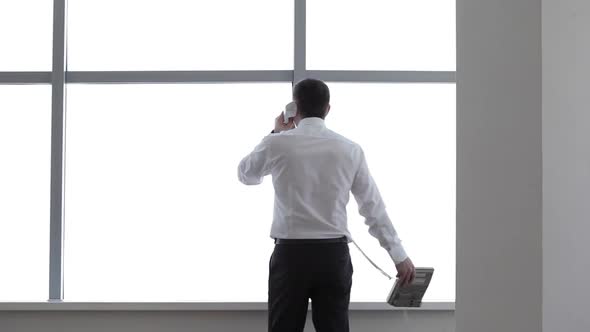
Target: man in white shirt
[{"x": 313, "y": 171}]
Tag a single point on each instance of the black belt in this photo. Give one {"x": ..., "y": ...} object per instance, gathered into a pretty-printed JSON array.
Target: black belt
[{"x": 311, "y": 241}]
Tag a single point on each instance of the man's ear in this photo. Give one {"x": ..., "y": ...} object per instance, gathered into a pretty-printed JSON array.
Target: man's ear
[{"x": 327, "y": 110}]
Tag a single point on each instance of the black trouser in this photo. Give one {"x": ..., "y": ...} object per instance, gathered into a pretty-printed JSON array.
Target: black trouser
[{"x": 321, "y": 272}]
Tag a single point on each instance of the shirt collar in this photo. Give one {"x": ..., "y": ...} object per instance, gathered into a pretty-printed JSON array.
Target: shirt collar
[{"x": 312, "y": 122}]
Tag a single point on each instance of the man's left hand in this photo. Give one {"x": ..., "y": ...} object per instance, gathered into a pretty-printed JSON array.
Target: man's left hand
[
  {"x": 406, "y": 272},
  {"x": 280, "y": 125}
]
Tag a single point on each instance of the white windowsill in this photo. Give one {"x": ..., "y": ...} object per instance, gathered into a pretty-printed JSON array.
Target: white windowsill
[{"x": 195, "y": 306}]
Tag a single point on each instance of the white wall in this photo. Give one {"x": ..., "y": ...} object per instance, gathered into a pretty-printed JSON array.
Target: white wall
[
  {"x": 566, "y": 165},
  {"x": 202, "y": 321},
  {"x": 499, "y": 193},
  {"x": 501, "y": 220}
]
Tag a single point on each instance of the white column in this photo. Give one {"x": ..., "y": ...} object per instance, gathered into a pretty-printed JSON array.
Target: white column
[
  {"x": 499, "y": 207},
  {"x": 566, "y": 165}
]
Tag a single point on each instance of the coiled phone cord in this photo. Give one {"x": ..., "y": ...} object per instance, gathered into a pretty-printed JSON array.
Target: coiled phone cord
[{"x": 372, "y": 263}]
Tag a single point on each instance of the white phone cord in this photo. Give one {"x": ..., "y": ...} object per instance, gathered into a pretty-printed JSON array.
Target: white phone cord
[{"x": 372, "y": 263}]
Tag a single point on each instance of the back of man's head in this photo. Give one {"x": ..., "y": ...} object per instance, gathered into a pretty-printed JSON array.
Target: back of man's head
[{"x": 312, "y": 97}]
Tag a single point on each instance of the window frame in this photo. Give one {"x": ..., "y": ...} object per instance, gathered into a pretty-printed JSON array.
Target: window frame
[{"x": 59, "y": 77}]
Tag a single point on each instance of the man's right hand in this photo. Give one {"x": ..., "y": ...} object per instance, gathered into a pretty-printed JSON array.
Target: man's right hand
[
  {"x": 282, "y": 126},
  {"x": 406, "y": 272}
]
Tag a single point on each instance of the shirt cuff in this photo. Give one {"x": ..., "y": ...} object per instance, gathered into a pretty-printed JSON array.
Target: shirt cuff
[{"x": 398, "y": 254}]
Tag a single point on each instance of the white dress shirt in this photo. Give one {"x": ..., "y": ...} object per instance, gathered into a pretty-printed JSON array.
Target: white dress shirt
[{"x": 313, "y": 171}]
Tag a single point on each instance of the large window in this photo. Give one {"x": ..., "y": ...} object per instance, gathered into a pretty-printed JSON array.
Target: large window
[{"x": 163, "y": 100}]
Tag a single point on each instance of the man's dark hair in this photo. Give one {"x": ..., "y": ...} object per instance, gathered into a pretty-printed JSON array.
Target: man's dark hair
[{"x": 312, "y": 97}]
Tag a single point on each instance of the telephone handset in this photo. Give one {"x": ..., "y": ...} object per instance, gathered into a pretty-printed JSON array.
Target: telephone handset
[{"x": 290, "y": 112}]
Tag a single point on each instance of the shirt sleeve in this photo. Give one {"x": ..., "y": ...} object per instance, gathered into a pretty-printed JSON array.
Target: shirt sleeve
[
  {"x": 371, "y": 207},
  {"x": 256, "y": 165}
]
